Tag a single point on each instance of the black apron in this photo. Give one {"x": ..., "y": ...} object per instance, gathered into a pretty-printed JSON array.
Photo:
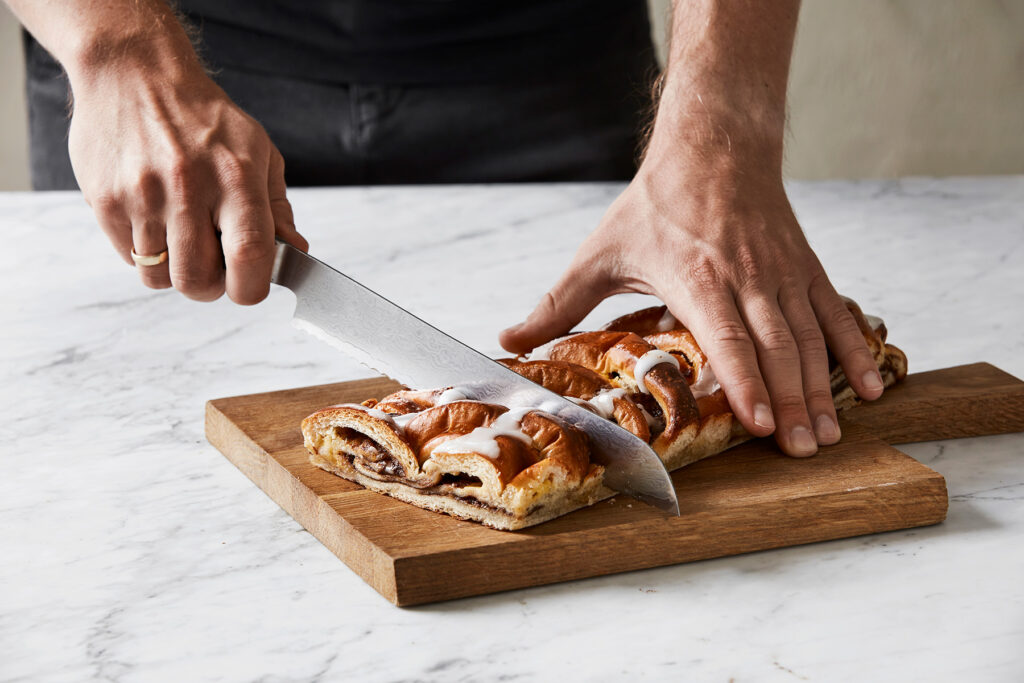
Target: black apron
[{"x": 411, "y": 91}]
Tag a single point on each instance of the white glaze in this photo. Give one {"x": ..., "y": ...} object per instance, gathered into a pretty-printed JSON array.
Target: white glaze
[
  {"x": 450, "y": 396},
  {"x": 132, "y": 549},
  {"x": 404, "y": 419},
  {"x": 652, "y": 422},
  {"x": 706, "y": 383},
  {"x": 648, "y": 361},
  {"x": 484, "y": 440},
  {"x": 874, "y": 321},
  {"x": 604, "y": 401},
  {"x": 543, "y": 352},
  {"x": 373, "y": 412}
]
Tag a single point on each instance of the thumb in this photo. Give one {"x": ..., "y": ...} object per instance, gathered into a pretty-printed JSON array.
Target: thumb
[{"x": 578, "y": 291}]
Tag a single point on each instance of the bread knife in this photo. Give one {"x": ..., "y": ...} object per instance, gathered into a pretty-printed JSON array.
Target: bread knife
[{"x": 385, "y": 337}]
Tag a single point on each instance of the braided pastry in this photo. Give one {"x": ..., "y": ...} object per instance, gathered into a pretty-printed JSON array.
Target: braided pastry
[
  {"x": 512, "y": 468},
  {"x": 506, "y": 468}
]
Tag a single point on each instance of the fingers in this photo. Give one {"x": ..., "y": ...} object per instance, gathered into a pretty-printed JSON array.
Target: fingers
[
  {"x": 817, "y": 389},
  {"x": 247, "y": 234},
  {"x": 194, "y": 257},
  {"x": 113, "y": 219},
  {"x": 280, "y": 207},
  {"x": 580, "y": 288},
  {"x": 149, "y": 237},
  {"x": 845, "y": 339},
  {"x": 717, "y": 325},
  {"x": 780, "y": 362}
]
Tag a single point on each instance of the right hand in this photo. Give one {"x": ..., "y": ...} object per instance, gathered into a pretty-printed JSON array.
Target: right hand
[{"x": 166, "y": 159}]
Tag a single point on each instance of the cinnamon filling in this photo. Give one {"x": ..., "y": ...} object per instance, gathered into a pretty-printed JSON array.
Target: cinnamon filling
[
  {"x": 371, "y": 454},
  {"x": 375, "y": 461}
]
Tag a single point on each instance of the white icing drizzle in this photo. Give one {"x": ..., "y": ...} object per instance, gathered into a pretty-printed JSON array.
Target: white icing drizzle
[
  {"x": 667, "y": 322},
  {"x": 484, "y": 440},
  {"x": 874, "y": 321},
  {"x": 648, "y": 361},
  {"x": 706, "y": 383},
  {"x": 402, "y": 420},
  {"x": 652, "y": 422},
  {"x": 373, "y": 412},
  {"x": 604, "y": 401},
  {"x": 450, "y": 396},
  {"x": 543, "y": 352}
]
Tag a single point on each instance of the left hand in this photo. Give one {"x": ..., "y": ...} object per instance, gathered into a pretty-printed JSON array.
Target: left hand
[{"x": 717, "y": 241}]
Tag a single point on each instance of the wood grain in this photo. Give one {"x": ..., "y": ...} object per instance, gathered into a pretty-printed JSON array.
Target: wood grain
[
  {"x": 751, "y": 498},
  {"x": 967, "y": 400}
]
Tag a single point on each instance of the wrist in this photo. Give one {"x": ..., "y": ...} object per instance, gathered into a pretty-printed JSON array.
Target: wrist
[
  {"x": 726, "y": 128},
  {"x": 163, "y": 53}
]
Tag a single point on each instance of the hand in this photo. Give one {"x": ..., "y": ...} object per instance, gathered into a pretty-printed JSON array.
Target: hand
[
  {"x": 166, "y": 159},
  {"x": 722, "y": 248}
]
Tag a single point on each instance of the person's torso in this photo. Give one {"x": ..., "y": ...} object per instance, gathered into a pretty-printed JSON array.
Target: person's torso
[{"x": 419, "y": 41}]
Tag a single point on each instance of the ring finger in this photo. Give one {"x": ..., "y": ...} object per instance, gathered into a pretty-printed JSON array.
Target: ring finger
[
  {"x": 813, "y": 364},
  {"x": 149, "y": 238},
  {"x": 779, "y": 360}
]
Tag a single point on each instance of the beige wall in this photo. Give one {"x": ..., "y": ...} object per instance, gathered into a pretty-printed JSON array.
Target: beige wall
[
  {"x": 907, "y": 87},
  {"x": 13, "y": 122},
  {"x": 879, "y": 88}
]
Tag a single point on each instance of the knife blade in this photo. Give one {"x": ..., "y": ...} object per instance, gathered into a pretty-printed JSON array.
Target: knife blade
[{"x": 385, "y": 337}]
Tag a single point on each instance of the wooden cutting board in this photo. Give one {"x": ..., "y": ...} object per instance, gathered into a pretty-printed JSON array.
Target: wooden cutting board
[{"x": 749, "y": 498}]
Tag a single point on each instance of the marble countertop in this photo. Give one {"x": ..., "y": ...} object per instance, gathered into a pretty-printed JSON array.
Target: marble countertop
[{"x": 131, "y": 550}]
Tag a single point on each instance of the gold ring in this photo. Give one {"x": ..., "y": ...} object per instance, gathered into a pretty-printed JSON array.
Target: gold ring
[{"x": 154, "y": 260}]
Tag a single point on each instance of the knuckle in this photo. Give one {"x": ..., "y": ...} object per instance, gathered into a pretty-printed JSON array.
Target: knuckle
[
  {"x": 790, "y": 404},
  {"x": 549, "y": 303},
  {"x": 729, "y": 333},
  {"x": 105, "y": 204},
  {"x": 191, "y": 281},
  {"x": 237, "y": 171},
  {"x": 748, "y": 266},
  {"x": 155, "y": 281},
  {"x": 148, "y": 188},
  {"x": 747, "y": 384},
  {"x": 704, "y": 274},
  {"x": 777, "y": 341},
  {"x": 246, "y": 247},
  {"x": 819, "y": 396},
  {"x": 841, "y": 321},
  {"x": 809, "y": 340},
  {"x": 181, "y": 178}
]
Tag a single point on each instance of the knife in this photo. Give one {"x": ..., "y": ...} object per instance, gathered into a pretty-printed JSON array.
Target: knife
[{"x": 385, "y": 337}]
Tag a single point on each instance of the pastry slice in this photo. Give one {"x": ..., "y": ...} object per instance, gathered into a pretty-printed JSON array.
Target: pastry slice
[
  {"x": 513, "y": 468},
  {"x": 508, "y": 469}
]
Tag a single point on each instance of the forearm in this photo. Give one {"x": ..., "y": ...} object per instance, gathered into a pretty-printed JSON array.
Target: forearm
[
  {"x": 91, "y": 38},
  {"x": 724, "y": 89}
]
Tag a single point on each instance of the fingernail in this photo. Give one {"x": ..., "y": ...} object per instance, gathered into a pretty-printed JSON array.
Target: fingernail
[
  {"x": 803, "y": 441},
  {"x": 514, "y": 328},
  {"x": 763, "y": 416},
  {"x": 826, "y": 429},
  {"x": 873, "y": 381}
]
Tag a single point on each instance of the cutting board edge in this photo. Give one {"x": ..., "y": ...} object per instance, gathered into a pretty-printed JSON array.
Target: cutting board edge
[
  {"x": 415, "y": 574},
  {"x": 314, "y": 514}
]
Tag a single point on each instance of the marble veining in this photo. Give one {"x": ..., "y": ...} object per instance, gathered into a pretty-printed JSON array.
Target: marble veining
[{"x": 130, "y": 550}]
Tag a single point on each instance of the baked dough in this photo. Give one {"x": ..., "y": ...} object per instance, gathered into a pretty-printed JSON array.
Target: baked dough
[{"x": 511, "y": 468}]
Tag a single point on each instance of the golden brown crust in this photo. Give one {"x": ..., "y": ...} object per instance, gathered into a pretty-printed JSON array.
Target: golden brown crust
[
  {"x": 719, "y": 429},
  {"x": 644, "y": 322},
  {"x": 543, "y": 472},
  {"x": 561, "y": 377},
  {"x": 614, "y": 356},
  {"x": 423, "y": 447}
]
